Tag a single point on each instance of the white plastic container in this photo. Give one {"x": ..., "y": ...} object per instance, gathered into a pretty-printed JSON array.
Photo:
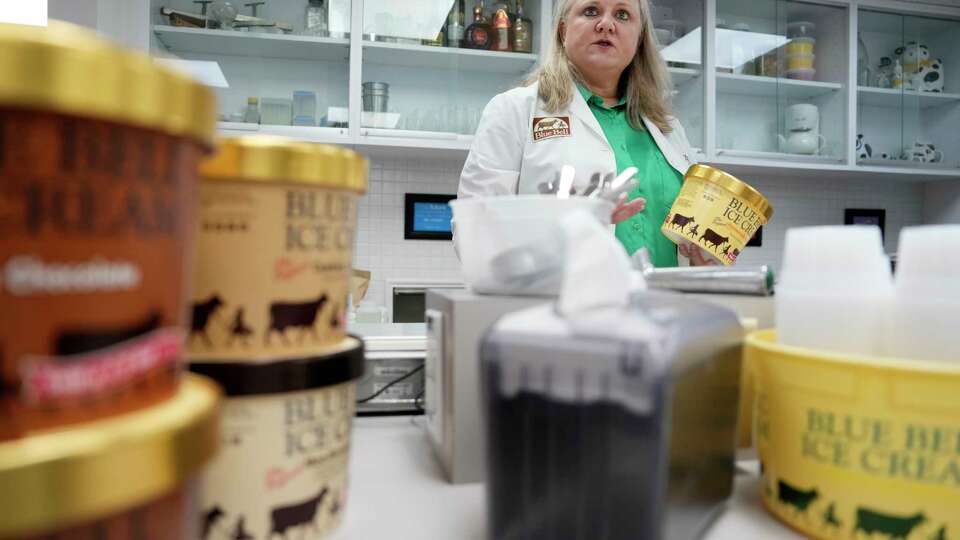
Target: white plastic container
[
  {"x": 801, "y": 29},
  {"x": 276, "y": 111},
  {"x": 304, "y": 108},
  {"x": 835, "y": 289},
  {"x": 794, "y": 62},
  {"x": 513, "y": 244},
  {"x": 923, "y": 322},
  {"x": 802, "y": 74}
]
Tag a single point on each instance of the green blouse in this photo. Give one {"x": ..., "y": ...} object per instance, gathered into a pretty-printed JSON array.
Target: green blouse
[{"x": 659, "y": 182}]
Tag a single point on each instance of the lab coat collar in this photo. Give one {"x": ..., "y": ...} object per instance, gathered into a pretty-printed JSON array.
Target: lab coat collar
[
  {"x": 677, "y": 160},
  {"x": 580, "y": 109}
]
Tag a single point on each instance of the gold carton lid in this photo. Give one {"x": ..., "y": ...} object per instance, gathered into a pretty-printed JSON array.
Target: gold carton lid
[
  {"x": 732, "y": 183},
  {"x": 70, "y": 70},
  {"x": 60, "y": 478},
  {"x": 268, "y": 158}
]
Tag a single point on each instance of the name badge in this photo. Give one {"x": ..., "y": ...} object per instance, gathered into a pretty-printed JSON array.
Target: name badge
[{"x": 549, "y": 127}]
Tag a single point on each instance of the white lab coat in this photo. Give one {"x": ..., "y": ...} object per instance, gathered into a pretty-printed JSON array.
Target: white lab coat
[{"x": 505, "y": 159}]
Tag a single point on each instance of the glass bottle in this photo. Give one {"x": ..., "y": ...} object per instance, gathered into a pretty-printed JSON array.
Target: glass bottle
[
  {"x": 864, "y": 69},
  {"x": 252, "y": 113},
  {"x": 501, "y": 31},
  {"x": 316, "y": 18},
  {"x": 479, "y": 33},
  {"x": 455, "y": 30},
  {"x": 522, "y": 32},
  {"x": 438, "y": 41}
]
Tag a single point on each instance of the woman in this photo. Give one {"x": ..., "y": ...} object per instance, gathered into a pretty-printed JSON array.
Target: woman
[{"x": 599, "y": 102}]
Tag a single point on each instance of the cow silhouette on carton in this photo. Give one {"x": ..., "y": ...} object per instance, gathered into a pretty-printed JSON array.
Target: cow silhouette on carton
[
  {"x": 681, "y": 221},
  {"x": 800, "y": 499},
  {"x": 713, "y": 239},
  {"x": 202, "y": 313},
  {"x": 295, "y": 515},
  {"x": 209, "y": 520},
  {"x": 303, "y": 315},
  {"x": 894, "y": 527}
]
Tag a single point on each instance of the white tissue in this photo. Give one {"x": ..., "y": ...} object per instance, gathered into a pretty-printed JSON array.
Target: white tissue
[{"x": 597, "y": 274}]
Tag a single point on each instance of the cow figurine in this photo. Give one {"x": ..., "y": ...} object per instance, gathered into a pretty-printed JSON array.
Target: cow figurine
[
  {"x": 929, "y": 78},
  {"x": 864, "y": 151},
  {"x": 913, "y": 56},
  {"x": 923, "y": 152}
]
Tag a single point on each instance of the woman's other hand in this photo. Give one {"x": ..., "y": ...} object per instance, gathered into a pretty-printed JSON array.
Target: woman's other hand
[
  {"x": 626, "y": 209},
  {"x": 695, "y": 255}
]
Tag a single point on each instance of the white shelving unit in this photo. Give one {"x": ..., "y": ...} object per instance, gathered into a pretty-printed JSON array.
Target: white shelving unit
[
  {"x": 423, "y": 77},
  {"x": 304, "y": 133},
  {"x": 681, "y": 75},
  {"x": 216, "y": 42},
  {"x": 890, "y": 97},
  {"x": 780, "y": 156},
  {"x": 752, "y": 85},
  {"x": 424, "y": 56}
]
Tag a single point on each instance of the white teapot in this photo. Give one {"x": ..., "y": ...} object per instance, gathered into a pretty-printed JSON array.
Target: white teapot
[
  {"x": 803, "y": 127},
  {"x": 802, "y": 142}
]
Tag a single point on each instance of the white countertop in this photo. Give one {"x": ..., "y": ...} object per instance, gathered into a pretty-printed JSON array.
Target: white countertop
[{"x": 398, "y": 492}]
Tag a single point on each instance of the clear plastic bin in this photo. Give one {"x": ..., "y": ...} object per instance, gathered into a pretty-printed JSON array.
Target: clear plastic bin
[
  {"x": 513, "y": 244},
  {"x": 624, "y": 433}
]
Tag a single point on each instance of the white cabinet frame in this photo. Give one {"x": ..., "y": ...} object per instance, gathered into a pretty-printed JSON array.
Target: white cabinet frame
[{"x": 368, "y": 142}]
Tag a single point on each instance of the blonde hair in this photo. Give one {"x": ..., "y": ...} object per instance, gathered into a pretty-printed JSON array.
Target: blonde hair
[{"x": 644, "y": 83}]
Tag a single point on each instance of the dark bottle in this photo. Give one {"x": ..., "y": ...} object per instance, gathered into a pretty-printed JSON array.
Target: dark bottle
[
  {"x": 522, "y": 31},
  {"x": 479, "y": 33},
  {"x": 501, "y": 31},
  {"x": 455, "y": 29}
]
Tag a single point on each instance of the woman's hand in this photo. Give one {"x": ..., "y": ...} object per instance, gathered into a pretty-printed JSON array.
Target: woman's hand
[
  {"x": 695, "y": 255},
  {"x": 626, "y": 209}
]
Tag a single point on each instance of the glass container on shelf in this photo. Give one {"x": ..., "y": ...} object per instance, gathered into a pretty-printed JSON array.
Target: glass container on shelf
[
  {"x": 273, "y": 81},
  {"x": 317, "y": 22},
  {"x": 435, "y": 95},
  {"x": 479, "y": 33},
  {"x": 909, "y": 108},
  {"x": 501, "y": 32},
  {"x": 677, "y": 26},
  {"x": 777, "y": 97},
  {"x": 455, "y": 27},
  {"x": 522, "y": 31},
  {"x": 251, "y": 114}
]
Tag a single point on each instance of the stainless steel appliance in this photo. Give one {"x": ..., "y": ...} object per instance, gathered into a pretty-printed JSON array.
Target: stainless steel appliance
[
  {"x": 456, "y": 320},
  {"x": 393, "y": 380},
  {"x": 622, "y": 423}
]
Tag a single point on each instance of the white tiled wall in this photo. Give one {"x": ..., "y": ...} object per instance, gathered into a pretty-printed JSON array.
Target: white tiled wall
[
  {"x": 797, "y": 202},
  {"x": 380, "y": 245},
  {"x": 800, "y": 202}
]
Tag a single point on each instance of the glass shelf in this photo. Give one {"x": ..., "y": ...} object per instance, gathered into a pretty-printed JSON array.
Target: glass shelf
[
  {"x": 908, "y": 117},
  {"x": 780, "y": 94}
]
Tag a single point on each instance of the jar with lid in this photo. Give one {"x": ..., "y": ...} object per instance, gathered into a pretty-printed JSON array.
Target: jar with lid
[
  {"x": 522, "y": 31},
  {"x": 455, "y": 28},
  {"x": 501, "y": 31},
  {"x": 479, "y": 33}
]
